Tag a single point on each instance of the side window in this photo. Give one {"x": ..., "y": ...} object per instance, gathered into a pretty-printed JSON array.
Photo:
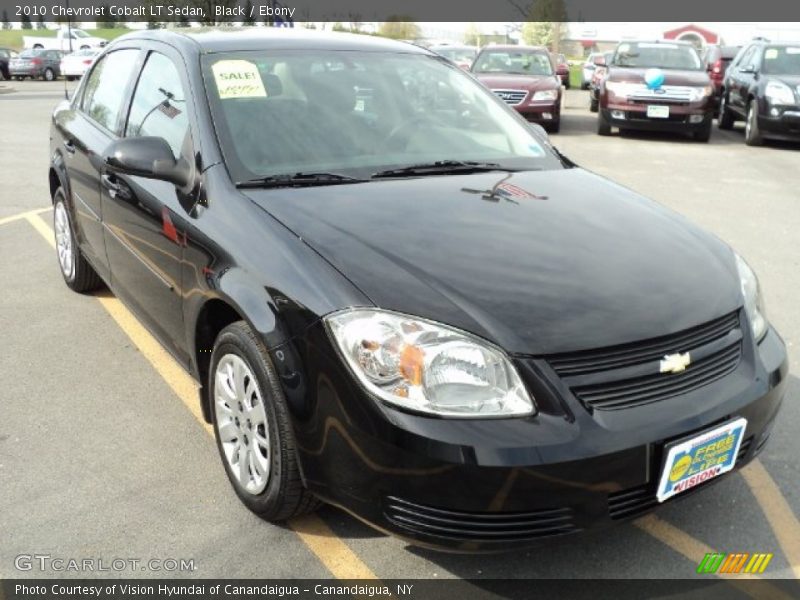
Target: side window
[
  {"x": 747, "y": 58},
  {"x": 159, "y": 104},
  {"x": 104, "y": 92}
]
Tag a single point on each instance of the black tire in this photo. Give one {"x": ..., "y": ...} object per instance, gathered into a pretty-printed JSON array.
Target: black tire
[
  {"x": 584, "y": 86},
  {"x": 752, "y": 133},
  {"x": 71, "y": 77},
  {"x": 704, "y": 133},
  {"x": 49, "y": 74},
  {"x": 20, "y": 77},
  {"x": 553, "y": 126},
  {"x": 284, "y": 495},
  {"x": 6, "y": 74},
  {"x": 593, "y": 105},
  {"x": 726, "y": 118},
  {"x": 603, "y": 126},
  {"x": 82, "y": 277},
  {"x": 566, "y": 84}
]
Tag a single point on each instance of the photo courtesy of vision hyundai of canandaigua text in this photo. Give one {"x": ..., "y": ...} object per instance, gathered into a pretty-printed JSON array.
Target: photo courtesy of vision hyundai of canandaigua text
[{"x": 398, "y": 297}]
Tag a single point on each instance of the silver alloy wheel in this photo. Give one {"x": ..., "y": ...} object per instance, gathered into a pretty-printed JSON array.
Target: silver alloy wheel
[
  {"x": 748, "y": 124},
  {"x": 241, "y": 420},
  {"x": 66, "y": 255}
]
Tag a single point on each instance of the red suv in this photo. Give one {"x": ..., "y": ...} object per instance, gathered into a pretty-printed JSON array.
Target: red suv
[
  {"x": 525, "y": 78},
  {"x": 661, "y": 85}
]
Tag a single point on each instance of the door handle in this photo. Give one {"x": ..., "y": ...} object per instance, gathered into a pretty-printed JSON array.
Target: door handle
[
  {"x": 69, "y": 146},
  {"x": 116, "y": 189}
]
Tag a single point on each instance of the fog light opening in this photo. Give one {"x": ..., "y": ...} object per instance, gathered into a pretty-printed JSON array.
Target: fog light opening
[
  {"x": 775, "y": 112},
  {"x": 618, "y": 114},
  {"x": 547, "y": 116},
  {"x": 695, "y": 118}
]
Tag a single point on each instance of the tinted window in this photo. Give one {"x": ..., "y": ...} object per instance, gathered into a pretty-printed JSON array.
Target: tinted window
[
  {"x": 521, "y": 62},
  {"x": 657, "y": 54},
  {"x": 746, "y": 59},
  {"x": 782, "y": 60},
  {"x": 159, "y": 104},
  {"x": 105, "y": 88}
]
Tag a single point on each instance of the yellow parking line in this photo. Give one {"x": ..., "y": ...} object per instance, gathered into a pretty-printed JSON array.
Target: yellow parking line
[
  {"x": 334, "y": 554},
  {"x": 777, "y": 511},
  {"x": 695, "y": 550},
  {"x": 23, "y": 215}
]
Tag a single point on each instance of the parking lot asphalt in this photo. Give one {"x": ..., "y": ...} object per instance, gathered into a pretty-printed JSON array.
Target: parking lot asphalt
[{"x": 100, "y": 458}]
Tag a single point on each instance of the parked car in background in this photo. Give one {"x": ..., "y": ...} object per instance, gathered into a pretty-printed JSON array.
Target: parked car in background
[
  {"x": 762, "y": 86},
  {"x": 66, "y": 40},
  {"x": 44, "y": 64},
  {"x": 587, "y": 69},
  {"x": 598, "y": 75},
  {"x": 460, "y": 55},
  {"x": 523, "y": 77},
  {"x": 426, "y": 316},
  {"x": 6, "y": 54},
  {"x": 562, "y": 69},
  {"x": 717, "y": 59},
  {"x": 74, "y": 65},
  {"x": 659, "y": 85}
]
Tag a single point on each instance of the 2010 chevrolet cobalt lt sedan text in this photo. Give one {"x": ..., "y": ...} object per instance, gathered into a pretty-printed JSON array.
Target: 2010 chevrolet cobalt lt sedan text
[{"x": 398, "y": 297}]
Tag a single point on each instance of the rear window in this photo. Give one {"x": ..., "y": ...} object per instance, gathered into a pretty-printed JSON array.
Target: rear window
[
  {"x": 657, "y": 55},
  {"x": 105, "y": 88},
  {"x": 30, "y": 53},
  {"x": 516, "y": 62}
]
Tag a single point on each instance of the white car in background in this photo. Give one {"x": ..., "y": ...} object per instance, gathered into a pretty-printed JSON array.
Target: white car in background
[
  {"x": 74, "y": 65},
  {"x": 588, "y": 70}
]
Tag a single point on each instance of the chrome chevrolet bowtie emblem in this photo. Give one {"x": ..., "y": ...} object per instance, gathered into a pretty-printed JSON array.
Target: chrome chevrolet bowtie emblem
[{"x": 675, "y": 363}]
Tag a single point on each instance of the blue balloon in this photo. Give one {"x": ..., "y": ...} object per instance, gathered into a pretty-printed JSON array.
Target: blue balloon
[{"x": 654, "y": 78}]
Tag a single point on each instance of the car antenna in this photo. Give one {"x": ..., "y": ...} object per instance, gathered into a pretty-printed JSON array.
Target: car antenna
[{"x": 69, "y": 36}]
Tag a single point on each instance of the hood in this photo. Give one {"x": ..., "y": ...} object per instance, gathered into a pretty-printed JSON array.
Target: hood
[
  {"x": 671, "y": 76},
  {"x": 793, "y": 81},
  {"x": 555, "y": 261},
  {"x": 518, "y": 82}
]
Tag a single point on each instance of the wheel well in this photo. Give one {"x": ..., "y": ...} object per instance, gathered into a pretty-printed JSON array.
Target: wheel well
[
  {"x": 55, "y": 182},
  {"x": 213, "y": 318}
]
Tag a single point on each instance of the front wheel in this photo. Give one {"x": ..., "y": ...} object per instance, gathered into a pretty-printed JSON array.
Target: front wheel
[
  {"x": 603, "y": 126},
  {"x": 725, "y": 119},
  {"x": 253, "y": 428},
  {"x": 77, "y": 272},
  {"x": 49, "y": 74},
  {"x": 593, "y": 105},
  {"x": 704, "y": 133},
  {"x": 752, "y": 133}
]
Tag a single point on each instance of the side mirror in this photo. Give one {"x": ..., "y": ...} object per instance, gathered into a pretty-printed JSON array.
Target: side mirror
[
  {"x": 747, "y": 69},
  {"x": 599, "y": 61},
  {"x": 149, "y": 157}
]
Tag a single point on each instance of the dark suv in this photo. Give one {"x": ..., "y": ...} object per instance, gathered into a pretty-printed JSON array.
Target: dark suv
[
  {"x": 660, "y": 85},
  {"x": 762, "y": 87},
  {"x": 718, "y": 59}
]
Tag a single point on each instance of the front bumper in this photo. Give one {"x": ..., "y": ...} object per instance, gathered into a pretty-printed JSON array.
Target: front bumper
[
  {"x": 26, "y": 71},
  {"x": 489, "y": 485},
  {"x": 539, "y": 112},
  {"x": 626, "y": 118},
  {"x": 784, "y": 125}
]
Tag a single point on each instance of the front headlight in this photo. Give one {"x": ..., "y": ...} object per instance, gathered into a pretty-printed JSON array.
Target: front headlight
[
  {"x": 544, "y": 95},
  {"x": 698, "y": 93},
  {"x": 624, "y": 88},
  {"x": 778, "y": 92},
  {"x": 753, "y": 301},
  {"x": 427, "y": 367}
]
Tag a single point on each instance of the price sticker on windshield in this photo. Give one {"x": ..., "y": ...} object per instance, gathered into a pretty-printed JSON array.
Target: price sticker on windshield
[{"x": 238, "y": 79}]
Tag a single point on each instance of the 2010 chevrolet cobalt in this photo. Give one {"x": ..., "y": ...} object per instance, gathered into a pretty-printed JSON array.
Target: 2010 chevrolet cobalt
[{"x": 398, "y": 297}]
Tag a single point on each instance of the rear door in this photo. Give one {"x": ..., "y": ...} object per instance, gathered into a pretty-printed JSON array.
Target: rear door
[
  {"x": 145, "y": 218},
  {"x": 739, "y": 80},
  {"x": 85, "y": 132}
]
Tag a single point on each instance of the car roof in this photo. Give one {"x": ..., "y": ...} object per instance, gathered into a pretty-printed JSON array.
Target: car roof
[
  {"x": 263, "y": 38},
  {"x": 512, "y": 47}
]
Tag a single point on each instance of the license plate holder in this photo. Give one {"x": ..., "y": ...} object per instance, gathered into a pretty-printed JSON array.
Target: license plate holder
[
  {"x": 657, "y": 111},
  {"x": 694, "y": 460}
]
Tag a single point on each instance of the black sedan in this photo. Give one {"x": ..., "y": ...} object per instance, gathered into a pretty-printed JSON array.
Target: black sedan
[
  {"x": 396, "y": 295},
  {"x": 762, "y": 87}
]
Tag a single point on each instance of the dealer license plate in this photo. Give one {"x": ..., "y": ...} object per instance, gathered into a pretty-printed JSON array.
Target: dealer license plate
[
  {"x": 657, "y": 112},
  {"x": 698, "y": 459}
]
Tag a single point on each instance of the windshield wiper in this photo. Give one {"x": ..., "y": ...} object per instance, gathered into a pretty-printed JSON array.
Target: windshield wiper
[
  {"x": 441, "y": 167},
  {"x": 298, "y": 180}
]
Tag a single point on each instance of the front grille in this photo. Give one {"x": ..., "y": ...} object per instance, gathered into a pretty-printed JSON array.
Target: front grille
[
  {"x": 511, "y": 97},
  {"x": 651, "y": 388},
  {"x": 636, "y": 501},
  {"x": 480, "y": 526},
  {"x": 668, "y": 94},
  {"x": 626, "y": 355}
]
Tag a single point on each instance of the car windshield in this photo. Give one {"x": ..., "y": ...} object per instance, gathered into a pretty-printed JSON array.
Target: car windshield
[
  {"x": 517, "y": 62},
  {"x": 79, "y": 33},
  {"x": 657, "y": 54},
  {"x": 457, "y": 54},
  {"x": 357, "y": 113},
  {"x": 782, "y": 60}
]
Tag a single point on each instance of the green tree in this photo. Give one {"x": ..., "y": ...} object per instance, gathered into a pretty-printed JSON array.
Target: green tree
[
  {"x": 249, "y": 20},
  {"x": 6, "y": 22},
  {"x": 40, "y": 22},
  {"x": 26, "y": 22},
  {"x": 543, "y": 27},
  {"x": 338, "y": 27},
  {"x": 398, "y": 29},
  {"x": 472, "y": 37},
  {"x": 106, "y": 20}
]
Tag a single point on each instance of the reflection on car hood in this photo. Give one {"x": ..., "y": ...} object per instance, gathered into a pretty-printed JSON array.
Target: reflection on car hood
[
  {"x": 518, "y": 82},
  {"x": 671, "y": 76},
  {"x": 538, "y": 262}
]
